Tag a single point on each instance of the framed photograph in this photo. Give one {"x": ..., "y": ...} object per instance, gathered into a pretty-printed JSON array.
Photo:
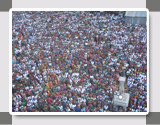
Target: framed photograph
[{"x": 79, "y": 61}]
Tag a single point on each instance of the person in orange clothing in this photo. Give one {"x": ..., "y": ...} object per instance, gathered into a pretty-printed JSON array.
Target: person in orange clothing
[
  {"x": 50, "y": 84},
  {"x": 47, "y": 85}
]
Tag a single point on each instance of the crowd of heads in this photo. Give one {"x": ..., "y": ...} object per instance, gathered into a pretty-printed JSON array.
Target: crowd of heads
[{"x": 71, "y": 61}]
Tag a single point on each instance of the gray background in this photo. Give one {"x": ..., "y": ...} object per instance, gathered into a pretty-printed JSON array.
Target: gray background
[
  {"x": 94, "y": 120},
  {"x": 4, "y": 63},
  {"x": 153, "y": 118},
  {"x": 79, "y": 120},
  {"x": 153, "y": 5},
  {"x": 5, "y": 5},
  {"x": 79, "y": 3},
  {"x": 154, "y": 62},
  {"x": 5, "y": 118}
]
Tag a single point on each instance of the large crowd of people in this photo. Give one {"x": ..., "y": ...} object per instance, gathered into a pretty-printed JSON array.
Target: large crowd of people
[{"x": 71, "y": 61}]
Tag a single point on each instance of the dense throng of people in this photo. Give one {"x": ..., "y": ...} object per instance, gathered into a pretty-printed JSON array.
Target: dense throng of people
[{"x": 71, "y": 61}]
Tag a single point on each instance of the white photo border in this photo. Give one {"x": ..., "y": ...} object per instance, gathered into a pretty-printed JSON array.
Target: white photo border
[{"x": 73, "y": 9}]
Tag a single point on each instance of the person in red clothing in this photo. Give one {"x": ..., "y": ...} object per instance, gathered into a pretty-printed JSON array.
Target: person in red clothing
[{"x": 49, "y": 100}]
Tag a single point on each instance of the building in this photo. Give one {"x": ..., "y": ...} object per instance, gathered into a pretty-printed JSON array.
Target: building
[{"x": 136, "y": 17}]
